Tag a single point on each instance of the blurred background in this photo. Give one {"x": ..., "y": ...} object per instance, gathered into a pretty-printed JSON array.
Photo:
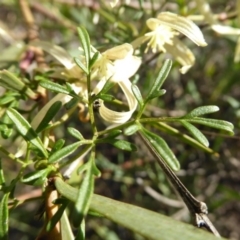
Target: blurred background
[{"x": 135, "y": 177}]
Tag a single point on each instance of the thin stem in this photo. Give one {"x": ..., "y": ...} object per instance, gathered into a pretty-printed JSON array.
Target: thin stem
[
  {"x": 198, "y": 209},
  {"x": 11, "y": 156}
]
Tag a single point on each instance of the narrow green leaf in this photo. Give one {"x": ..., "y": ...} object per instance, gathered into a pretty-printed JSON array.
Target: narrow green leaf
[
  {"x": 85, "y": 41},
  {"x": 81, "y": 65},
  {"x": 158, "y": 93},
  {"x": 66, "y": 230},
  {"x": 55, "y": 87},
  {"x": 107, "y": 86},
  {"x": 56, "y": 218},
  {"x": 4, "y": 217},
  {"x": 163, "y": 73},
  {"x": 214, "y": 123},
  {"x": 64, "y": 152},
  {"x": 122, "y": 144},
  {"x": 7, "y": 98},
  {"x": 25, "y": 129},
  {"x": 58, "y": 145},
  {"x": 114, "y": 133},
  {"x": 72, "y": 103},
  {"x": 201, "y": 111},
  {"x": 75, "y": 133},
  {"x": 36, "y": 178},
  {"x": 160, "y": 147},
  {"x": 81, "y": 231},
  {"x": 137, "y": 95},
  {"x": 131, "y": 129},
  {"x": 9, "y": 81},
  {"x": 50, "y": 114},
  {"x": 147, "y": 223},
  {"x": 2, "y": 179},
  {"x": 106, "y": 97},
  {"x": 93, "y": 59},
  {"x": 84, "y": 195},
  {"x": 195, "y": 132}
]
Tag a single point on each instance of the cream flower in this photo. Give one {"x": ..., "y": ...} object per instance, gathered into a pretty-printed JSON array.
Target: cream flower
[
  {"x": 117, "y": 64},
  {"x": 163, "y": 37}
]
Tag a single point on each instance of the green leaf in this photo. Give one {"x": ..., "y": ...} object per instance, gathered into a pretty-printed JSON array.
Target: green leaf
[
  {"x": 195, "y": 132},
  {"x": 137, "y": 95},
  {"x": 66, "y": 230},
  {"x": 160, "y": 147},
  {"x": 36, "y": 178},
  {"x": 201, "y": 111},
  {"x": 163, "y": 73},
  {"x": 50, "y": 114},
  {"x": 147, "y": 223},
  {"x": 2, "y": 179},
  {"x": 9, "y": 97},
  {"x": 56, "y": 218},
  {"x": 58, "y": 145},
  {"x": 131, "y": 129},
  {"x": 75, "y": 133},
  {"x": 120, "y": 144},
  {"x": 25, "y": 129},
  {"x": 214, "y": 123},
  {"x": 106, "y": 97},
  {"x": 85, "y": 40},
  {"x": 81, "y": 65},
  {"x": 84, "y": 195},
  {"x": 114, "y": 133},
  {"x": 55, "y": 87},
  {"x": 9, "y": 81},
  {"x": 107, "y": 86},
  {"x": 158, "y": 93},
  {"x": 64, "y": 152},
  {"x": 72, "y": 103},
  {"x": 4, "y": 217},
  {"x": 93, "y": 59}
]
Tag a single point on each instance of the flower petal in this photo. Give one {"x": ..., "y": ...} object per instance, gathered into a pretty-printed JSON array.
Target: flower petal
[
  {"x": 183, "y": 25},
  {"x": 115, "y": 117},
  {"x": 119, "y": 52},
  {"x": 181, "y": 53},
  {"x": 126, "y": 68},
  {"x": 139, "y": 41},
  {"x": 225, "y": 30}
]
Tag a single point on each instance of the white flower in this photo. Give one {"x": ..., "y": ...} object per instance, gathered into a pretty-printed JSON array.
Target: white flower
[
  {"x": 117, "y": 64},
  {"x": 163, "y": 37}
]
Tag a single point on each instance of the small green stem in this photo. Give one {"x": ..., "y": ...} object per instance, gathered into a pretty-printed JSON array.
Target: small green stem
[{"x": 11, "y": 156}]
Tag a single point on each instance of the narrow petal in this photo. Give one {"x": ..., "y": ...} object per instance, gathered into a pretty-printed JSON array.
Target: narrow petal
[
  {"x": 115, "y": 117},
  {"x": 119, "y": 52},
  {"x": 225, "y": 30},
  {"x": 183, "y": 25},
  {"x": 182, "y": 54},
  {"x": 139, "y": 41},
  {"x": 59, "y": 53},
  {"x": 126, "y": 68}
]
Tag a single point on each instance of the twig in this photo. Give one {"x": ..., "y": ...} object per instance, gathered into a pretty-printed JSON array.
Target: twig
[{"x": 198, "y": 209}]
